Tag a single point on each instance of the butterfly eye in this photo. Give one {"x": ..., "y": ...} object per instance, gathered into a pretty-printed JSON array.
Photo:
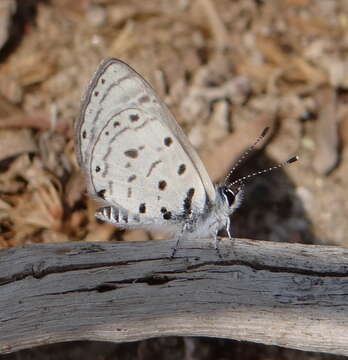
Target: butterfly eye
[{"x": 229, "y": 196}]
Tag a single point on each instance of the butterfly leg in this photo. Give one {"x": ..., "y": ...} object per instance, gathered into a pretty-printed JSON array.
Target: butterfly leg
[
  {"x": 216, "y": 244},
  {"x": 228, "y": 223},
  {"x": 175, "y": 248},
  {"x": 179, "y": 237},
  {"x": 216, "y": 240}
]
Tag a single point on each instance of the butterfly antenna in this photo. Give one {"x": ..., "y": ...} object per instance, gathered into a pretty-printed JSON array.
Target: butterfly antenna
[
  {"x": 246, "y": 153},
  {"x": 247, "y": 177}
]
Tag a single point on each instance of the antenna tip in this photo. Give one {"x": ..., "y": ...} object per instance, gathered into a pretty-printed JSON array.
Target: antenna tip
[
  {"x": 293, "y": 159},
  {"x": 265, "y": 131}
]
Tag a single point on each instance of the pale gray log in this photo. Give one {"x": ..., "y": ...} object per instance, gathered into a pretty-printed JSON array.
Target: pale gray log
[{"x": 283, "y": 294}]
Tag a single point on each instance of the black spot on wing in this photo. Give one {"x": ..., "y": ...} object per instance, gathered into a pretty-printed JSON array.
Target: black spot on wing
[
  {"x": 142, "y": 208},
  {"x": 168, "y": 141},
  {"x": 162, "y": 184},
  {"x": 134, "y": 117},
  {"x": 167, "y": 215},
  {"x": 101, "y": 193},
  {"x": 188, "y": 201},
  {"x": 132, "y": 153},
  {"x": 181, "y": 169},
  {"x": 132, "y": 178}
]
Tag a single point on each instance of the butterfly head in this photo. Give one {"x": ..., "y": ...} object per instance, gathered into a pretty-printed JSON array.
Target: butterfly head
[{"x": 231, "y": 197}]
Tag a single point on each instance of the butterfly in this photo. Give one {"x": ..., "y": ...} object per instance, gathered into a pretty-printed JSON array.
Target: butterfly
[{"x": 140, "y": 165}]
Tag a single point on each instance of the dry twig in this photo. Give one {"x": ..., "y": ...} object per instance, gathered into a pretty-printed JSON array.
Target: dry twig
[{"x": 290, "y": 295}]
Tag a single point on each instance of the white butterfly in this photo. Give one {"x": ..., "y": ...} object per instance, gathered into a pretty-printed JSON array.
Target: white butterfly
[{"x": 139, "y": 163}]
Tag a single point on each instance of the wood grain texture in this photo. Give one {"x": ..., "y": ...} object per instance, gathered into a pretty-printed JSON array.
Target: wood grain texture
[{"x": 290, "y": 295}]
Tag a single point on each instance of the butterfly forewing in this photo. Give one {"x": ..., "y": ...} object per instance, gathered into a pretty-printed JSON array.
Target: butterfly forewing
[{"x": 134, "y": 154}]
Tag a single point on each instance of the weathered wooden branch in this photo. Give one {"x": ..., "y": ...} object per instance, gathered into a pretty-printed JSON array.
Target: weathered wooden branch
[{"x": 284, "y": 294}]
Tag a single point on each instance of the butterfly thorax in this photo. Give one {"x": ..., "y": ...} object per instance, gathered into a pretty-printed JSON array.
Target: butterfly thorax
[{"x": 215, "y": 215}]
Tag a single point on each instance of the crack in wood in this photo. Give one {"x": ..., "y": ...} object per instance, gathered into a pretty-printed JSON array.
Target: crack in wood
[
  {"x": 38, "y": 273},
  {"x": 152, "y": 280},
  {"x": 276, "y": 269}
]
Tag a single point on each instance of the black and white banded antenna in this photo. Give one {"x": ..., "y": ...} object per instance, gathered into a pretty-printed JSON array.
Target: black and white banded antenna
[
  {"x": 243, "y": 179},
  {"x": 246, "y": 153}
]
